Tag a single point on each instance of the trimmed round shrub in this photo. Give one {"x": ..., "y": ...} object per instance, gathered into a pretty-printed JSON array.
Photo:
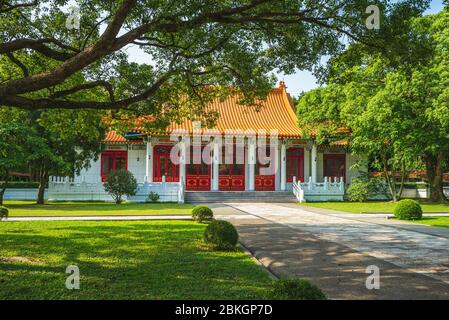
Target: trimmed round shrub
[
  {"x": 4, "y": 212},
  {"x": 202, "y": 213},
  {"x": 221, "y": 235},
  {"x": 296, "y": 289},
  {"x": 408, "y": 209}
]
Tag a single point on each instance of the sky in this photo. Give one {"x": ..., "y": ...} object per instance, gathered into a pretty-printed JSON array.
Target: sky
[{"x": 297, "y": 82}]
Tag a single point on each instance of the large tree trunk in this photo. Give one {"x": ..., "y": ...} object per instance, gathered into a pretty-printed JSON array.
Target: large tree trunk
[
  {"x": 2, "y": 193},
  {"x": 434, "y": 166},
  {"x": 43, "y": 179},
  {"x": 3, "y": 189}
]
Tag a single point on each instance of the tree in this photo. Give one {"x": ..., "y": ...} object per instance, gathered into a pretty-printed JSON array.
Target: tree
[
  {"x": 12, "y": 142},
  {"x": 396, "y": 106},
  {"x": 191, "y": 45},
  {"x": 64, "y": 143},
  {"x": 120, "y": 183}
]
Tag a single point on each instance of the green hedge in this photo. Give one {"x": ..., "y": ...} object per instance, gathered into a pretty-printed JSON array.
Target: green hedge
[
  {"x": 413, "y": 185},
  {"x": 23, "y": 185}
]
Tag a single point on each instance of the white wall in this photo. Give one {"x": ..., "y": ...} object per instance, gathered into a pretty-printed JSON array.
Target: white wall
[
  {"x": 352, "y": 173},
  {"x": 136, "y": 164},
  {"x": 92, "y": 174}
]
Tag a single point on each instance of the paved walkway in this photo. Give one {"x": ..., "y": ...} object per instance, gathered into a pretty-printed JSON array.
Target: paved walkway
[{"x": 334, "y": 250}]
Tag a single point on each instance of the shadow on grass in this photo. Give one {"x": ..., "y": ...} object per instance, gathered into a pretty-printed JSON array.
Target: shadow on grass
[{"x": 125, "y": 260}]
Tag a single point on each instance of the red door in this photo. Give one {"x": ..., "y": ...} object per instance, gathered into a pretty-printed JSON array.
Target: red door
[
  {"x": 334, "y": 165},
  {"x": 113, "y": 160},
  {"x": 232, "y": 175},
  {"x": 295, "y": 164},
  {"x": 265, "y": 167},
  {"x": 163, "y": 165},
  {"x": 197, "y": 172}
]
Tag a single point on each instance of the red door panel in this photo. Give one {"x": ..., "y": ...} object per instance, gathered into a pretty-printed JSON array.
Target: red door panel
[
  {"x": 231, "y": 176},
  {"x": 113, "y": 160},
  {"x": 264, "y": 181},
  {"x": 295, "y": 164},
  {"x": 198, "y": 175},
  {"x": 334, "y": 165},
  {"x": 163, "y": 166}
]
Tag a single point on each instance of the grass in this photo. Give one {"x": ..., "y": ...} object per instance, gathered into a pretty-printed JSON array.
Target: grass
[
  {"x": 122, "y": 260},
  {"x": 373, "y": 206},
  {"x": 29, "y": 208},
  {"x": 434, "y": 221}
]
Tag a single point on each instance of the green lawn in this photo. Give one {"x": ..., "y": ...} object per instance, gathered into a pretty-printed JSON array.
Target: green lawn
[
  {"x": 29, "y": 208},
  {"x": 434, "y": 221},
  {"x": 122, "y": 260},
  {"x": 374, "y": 206}
]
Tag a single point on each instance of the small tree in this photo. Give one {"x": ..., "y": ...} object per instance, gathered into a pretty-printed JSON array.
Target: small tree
[{"x": 120, "y": 183}]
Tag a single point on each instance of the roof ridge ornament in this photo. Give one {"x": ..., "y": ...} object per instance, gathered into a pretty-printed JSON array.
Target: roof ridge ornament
[{"x": 282, "y": 85}]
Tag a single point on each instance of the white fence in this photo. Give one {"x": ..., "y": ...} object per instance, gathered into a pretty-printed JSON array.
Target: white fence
[
  {"x": 21, "y": 194},
  {"x": 329, "y": 190},
  {"x": 69, "y": 189}
]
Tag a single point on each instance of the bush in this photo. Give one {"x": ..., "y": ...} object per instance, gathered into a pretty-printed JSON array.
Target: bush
[
  {"x": 408, "y": 210},
  {"x": 153, "y": 197},
  {"x": 365, "y": 187},
  {"x": 221, "y": 235},
  {"x": 202, "y": 213},
  {"x": 296, "y": 289},
  {"x": 358, "y": 191},
  {"x": 4, "y": 212},
  {"x": 120, "y": 183}
]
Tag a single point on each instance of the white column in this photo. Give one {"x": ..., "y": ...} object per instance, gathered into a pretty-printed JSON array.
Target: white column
[
  {"x": 251, "y": 163},
  {"x": 182, "y": 161},
  {"x": 306, "y": 164},
  {"x": 314, "y": 163},
  {"x": 149, "y": 161},
  {"x": 215, "y": 166},
  {"x": 283, "y": 167},
  {"x": 277, "y": 160}
]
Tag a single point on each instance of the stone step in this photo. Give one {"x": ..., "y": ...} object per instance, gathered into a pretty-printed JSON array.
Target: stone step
[{"x": 239, "y": 196}]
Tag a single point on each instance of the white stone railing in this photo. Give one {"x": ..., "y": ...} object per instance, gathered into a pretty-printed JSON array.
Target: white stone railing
[
  {"x": 69, "y": 189},
  {"x": 181, "y": 191},
  {"x": 297, "y": 190},
  {"x": 336, "y": 186},
  {"x": 329, "y": 189}
]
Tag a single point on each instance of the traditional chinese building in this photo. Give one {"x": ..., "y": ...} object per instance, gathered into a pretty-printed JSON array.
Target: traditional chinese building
[{"x": 291, "y": 167}]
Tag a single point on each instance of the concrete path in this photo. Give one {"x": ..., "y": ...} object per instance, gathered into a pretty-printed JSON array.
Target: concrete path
[
  {"x": 334, "y": 251},
  {"x": 101, "y": 218}
]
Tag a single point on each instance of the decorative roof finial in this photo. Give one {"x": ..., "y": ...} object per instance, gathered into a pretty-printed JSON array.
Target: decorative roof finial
[{"x": 282, "y": 84}]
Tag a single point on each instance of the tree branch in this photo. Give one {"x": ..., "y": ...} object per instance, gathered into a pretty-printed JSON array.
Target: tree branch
[
  {"x": 85, "y": 86},
  {"x": 19, "y": 64}
]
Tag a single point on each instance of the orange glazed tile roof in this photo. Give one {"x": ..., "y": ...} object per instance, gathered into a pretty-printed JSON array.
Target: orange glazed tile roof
[{"x": 276, "y": 113}]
